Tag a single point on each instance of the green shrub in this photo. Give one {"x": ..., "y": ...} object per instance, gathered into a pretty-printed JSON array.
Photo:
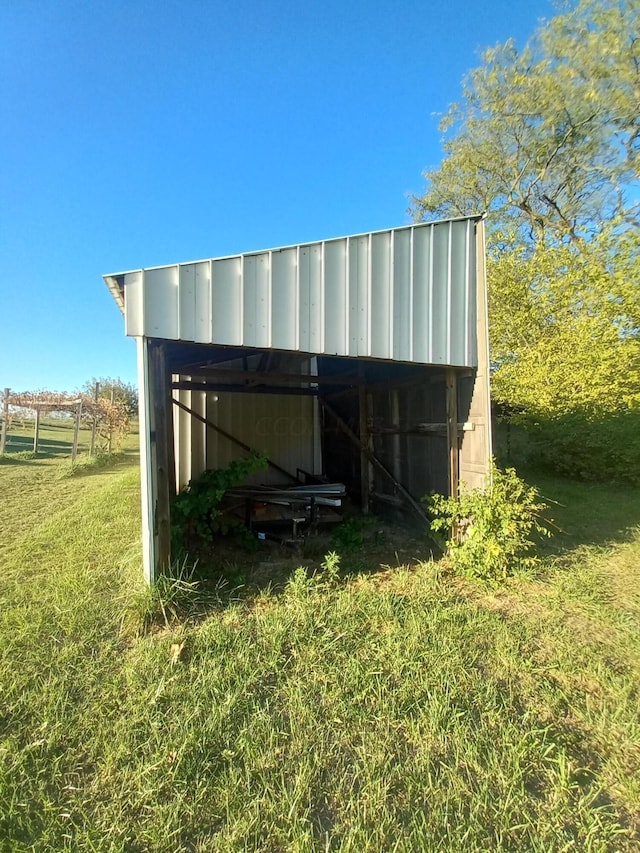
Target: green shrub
[
  {"x": 196, "y": 510},
  {"x": 604, "y": 448},
  {"x": 489, "y": 532}
]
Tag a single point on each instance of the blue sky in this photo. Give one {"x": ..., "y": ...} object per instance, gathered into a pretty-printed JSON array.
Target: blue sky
[{"x": 144, "y": 133}]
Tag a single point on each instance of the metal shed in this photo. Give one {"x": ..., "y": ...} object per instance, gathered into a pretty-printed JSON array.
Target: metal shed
[{"x": 363, "y": 357}]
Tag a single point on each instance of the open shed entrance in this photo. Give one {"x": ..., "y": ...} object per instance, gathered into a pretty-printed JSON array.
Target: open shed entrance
[
  {"x": 389, "y": 432},
  {"x": 360, "y": 359}
]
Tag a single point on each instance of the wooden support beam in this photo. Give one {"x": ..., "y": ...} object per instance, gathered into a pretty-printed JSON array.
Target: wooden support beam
[
  {"x": 5, "y": 421},
  {"x": 267, "y": 377},
  {"x": 36, "y": 430},
  {"x": 231, "y": 438},
  {"x": 221, "y": 387},
  {"x": 163, "y": 437},
  {"x": 409, "y": 499},
  {"x": 452, "y": 431},
  {"x": 364, "y": 447},
  {"x": 171, "y": 445},
  {"x": 421, "y": 429},
  {"x": 421, "y": 378}
]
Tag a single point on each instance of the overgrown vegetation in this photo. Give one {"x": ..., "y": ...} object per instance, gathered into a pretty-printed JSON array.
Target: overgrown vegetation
[
  {"x": 402, "y": 709},
  {"x": 195, "y": 511},
  {"x": 488, "y": 532}
]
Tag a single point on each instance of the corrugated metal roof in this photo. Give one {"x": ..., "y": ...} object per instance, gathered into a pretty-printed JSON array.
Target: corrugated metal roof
[{"x": 407, "y": 294}]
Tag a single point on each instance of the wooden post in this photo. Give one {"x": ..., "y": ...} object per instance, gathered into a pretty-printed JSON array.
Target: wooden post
[
  {"x": 171, "y": 446},
  {"x": 113, "y": 396},
  {"x": 375, "y": 462},
  {"x": 94, "y": 423},
  {"x": 364, "y": 446},
  {"x": 163, "y": 435},
  {"x": 147, "y": 481},
  {"x": 36, "y": 430},
  {"x": 397, "y": 440},
  {"x": 76, "y": 431},
  {"x": 5, "y": 421},
  {"x": 452, "y": 431}
]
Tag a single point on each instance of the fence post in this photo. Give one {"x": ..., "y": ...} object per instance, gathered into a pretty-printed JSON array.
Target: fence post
[
  {"x": 76, "y": 431},
  {"x": 113, "y": 397},
  {"x": 5, "y": 421},
  {"x": 36, "y": 430},
  {"x": 95, "y": 420}
]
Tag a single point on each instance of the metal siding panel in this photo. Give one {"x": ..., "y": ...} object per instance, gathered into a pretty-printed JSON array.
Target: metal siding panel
[
  {"x": 198, "y": 434},
  {"x": 203, "y": 305},
  {"x": 352, "y": 285},
  {"x": 402, "y": 296},
  {"x": 280, "y": 426},
  {"x": 406, "y": 293},
  {"x": 471, "y": 359},
  {"x": 257, "y": 301},
  {"x": 304, "y": 279},
  {"x": 359, "y": 292},
  {"x": 182, "y": 437},
  {"x": 381, "y": 296},
  {"x": 160, "y": 303},
  {"x": 227, "y": 301},
  {"x": 316, "y": 299},
  {"x": 422, "y": 251},
  {"x": 311, "y": 298},
  {"x": 336, "y": 302},
  {"x": 133, "y": 313},
  {"x": 457, "y": 331},
  {"x": 284, "y": 300},
  {"x": 364, "y": 295},
  {"x": 187, "y": 302},
  {"x": 440, "y": 302}
]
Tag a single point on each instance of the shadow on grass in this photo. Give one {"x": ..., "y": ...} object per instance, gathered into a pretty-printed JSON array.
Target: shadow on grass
[
  {"x": 221, "y": 573},
  {"x": 19, "y": 459},
  {"x": 586, "y": 513},
  {"x": 46, "y": 446},
  {"x": 580, "y": 512}
]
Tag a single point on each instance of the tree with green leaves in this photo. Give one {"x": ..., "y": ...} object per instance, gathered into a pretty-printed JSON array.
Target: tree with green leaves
[
  {"x": 123, "y": 392},
  {"x": 546, "y": 141}
]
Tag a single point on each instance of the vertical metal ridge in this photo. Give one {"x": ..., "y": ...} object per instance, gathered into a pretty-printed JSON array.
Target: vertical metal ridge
[
  {"x": 467, "y": 285},
  {"x": 321, "y": 306},
  {"x": 449, "y": 287},
  {"x": 347, "y": 301},
  {"x": 296, "y": 297},
  {"x": 369, "y": 292},
  {"x": 390, "y": 313},
  {"x": 267, "y": 313},
  {"x": 212, "y": 308},
  {"x": 430, "y": 290},
  {"x": 410, "y": 298},
  {"x": 242, "y": 289},
  {"x": 143, "y": 303}
]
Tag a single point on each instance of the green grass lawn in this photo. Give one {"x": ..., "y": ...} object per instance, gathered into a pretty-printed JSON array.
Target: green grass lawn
[{"x": 398, "y": 710}]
